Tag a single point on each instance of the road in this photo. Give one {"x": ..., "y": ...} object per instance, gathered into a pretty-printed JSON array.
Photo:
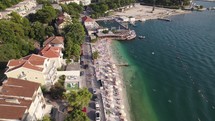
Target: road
[{"x": 91, "y": 81}]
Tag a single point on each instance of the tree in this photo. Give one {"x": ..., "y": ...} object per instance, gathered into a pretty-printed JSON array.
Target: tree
[
  {"x": 49, "y": 30},
  {"x": 46, "y": 118},
  {"x": 57, "y": 91},
  {"x": 78, "y": 99},
  {"x": 95, "y": 55},
  {"x": 46, "y": 14},
  {"x": 77, "y": 115},
  {"x": 37, "y": 31},
  {"x": 61, "y": 80}
]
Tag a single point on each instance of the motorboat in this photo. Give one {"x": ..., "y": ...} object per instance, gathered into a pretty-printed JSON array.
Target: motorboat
[{"x": 142, "y": 37}]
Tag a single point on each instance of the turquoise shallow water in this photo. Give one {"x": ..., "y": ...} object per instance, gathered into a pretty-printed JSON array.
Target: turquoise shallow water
[{"x": 172, "y": 72}]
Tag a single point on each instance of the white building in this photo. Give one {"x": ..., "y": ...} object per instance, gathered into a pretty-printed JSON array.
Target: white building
[
  {"x": 55, "y": 41},
  {"x": 84, "y": 2},
  {"x": 21, "y": 8},
  {"x": 63, "y": 20},
  {"x": 33, "y": 68},
  {"x": 54, "y": 54},
  {"x": 21, "y": 100},
  {"x": 69, "y": 1}
]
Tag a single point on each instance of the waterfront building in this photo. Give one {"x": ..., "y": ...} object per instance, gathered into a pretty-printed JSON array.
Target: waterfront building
[
  {"x": 22, "y": 100},
  {"x": 35, "y": 68},
  {"x": 90, "y": 24}
]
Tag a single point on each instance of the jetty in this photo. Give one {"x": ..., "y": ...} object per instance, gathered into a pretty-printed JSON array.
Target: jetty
[
  {"x": 118, "y": 34},
  {"x": 122, "y": 64},
  {"x": 164, "y": 19}
]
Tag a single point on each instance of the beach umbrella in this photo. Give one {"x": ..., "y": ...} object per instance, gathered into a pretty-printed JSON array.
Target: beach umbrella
[
  {"x": 117, "y": 83},
  {"x": 122, "y": 106},
  {"x": 110, "y": 79},
  {"x": 120, "y": 89},
  {"x": 113, "y": 66},
  {"x": 112, "y": 105},
  {"x": 123, "y": 113}
]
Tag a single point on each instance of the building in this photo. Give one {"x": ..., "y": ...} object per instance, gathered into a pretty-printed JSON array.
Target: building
[
  {"x": 89, "y": 22},
  {"x": 83, "y": 2},
  {"x": 69, "y": 1},
  {"x": 21, "y": 100},
  {"x": 124, "y": 18},
  {"x": 55, "y": 41},
  {"x": 35, "y": 68},
  {"x": 21, "y": 8},
  {"x": 90, "y": 25},
  {"x": 54, "y": 54},
  {"x": 63, "y": 20}
]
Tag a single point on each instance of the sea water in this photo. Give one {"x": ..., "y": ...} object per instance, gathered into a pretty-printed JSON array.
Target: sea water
[{"x": 171, "y": 76}]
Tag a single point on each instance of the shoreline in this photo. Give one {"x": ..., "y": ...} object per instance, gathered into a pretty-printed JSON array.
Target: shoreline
[
  {"x": 121, "y": 76},
  {"x": 144, "y": 12},
  {"x": 116, "y": 106}
]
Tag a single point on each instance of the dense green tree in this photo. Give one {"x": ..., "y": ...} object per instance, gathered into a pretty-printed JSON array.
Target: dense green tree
[
  {"x": 14, "y": 43},
  {"x": 46, "y": 118},
  {"x": 72, "y": 9},
  {"x": 49, "y": 30},
  {"x": 46, "y": 14},
  {"x": 77, "y": 115},
  {"x": 78, "y": 99},
  {"x": 8, "y": 3},
  {"x": 57, "y": 91},
  {"x": 37, "y": 31}
]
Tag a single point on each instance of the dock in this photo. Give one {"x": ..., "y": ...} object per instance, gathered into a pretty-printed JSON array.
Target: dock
[
  {"x": 164, "y": 19},
  {"x": 122, "y": 64}
]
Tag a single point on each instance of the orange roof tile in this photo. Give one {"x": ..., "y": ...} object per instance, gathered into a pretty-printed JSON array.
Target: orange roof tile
[
  {"x": 50, "y": 52},
  {"x": 35, "y": 59},
  {"x": 54, "y": 40},
  {"x": 14, "y": 62},
  {"x": 18, "y": 87},
  {"x": 9, "y": 112},
  {"x": 87, "y": 19}
]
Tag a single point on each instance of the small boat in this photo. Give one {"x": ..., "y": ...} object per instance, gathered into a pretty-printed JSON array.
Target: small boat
[{"x": 142, "y": 37}]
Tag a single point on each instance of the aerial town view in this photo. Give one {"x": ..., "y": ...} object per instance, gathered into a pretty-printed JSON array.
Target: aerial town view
[{"x": 107, "y": 60}]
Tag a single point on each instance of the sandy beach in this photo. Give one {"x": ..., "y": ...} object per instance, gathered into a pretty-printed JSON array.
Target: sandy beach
[
  {"x": 115, "y": 102},
  {"x": 143, "y": 12}
]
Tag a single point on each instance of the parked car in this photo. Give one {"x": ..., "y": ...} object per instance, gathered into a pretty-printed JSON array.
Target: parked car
[
  {"x": 82, "y": 73},
  {"x": 94, "y": 91},
  {"x": 98, "y": 116},
  {"x": 97, "y": 105}
]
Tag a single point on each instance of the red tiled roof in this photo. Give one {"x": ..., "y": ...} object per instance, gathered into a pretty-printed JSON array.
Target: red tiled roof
[
  {"x": 87, "y": 19},
  {"x": 22, "y": 102},
  {"x": 54, "y": 40},
  {"x": 14, "y": 62},
  {"x": 35, "y": 59},
  {"x": 31, "y": 62},
  {"x": 9, "y": 112},
  {"x": 18, "y": 87},
  {"x": 28, "y": 65},
  {"x": 50, "y": 52},
  {"x": 12, "y": 103}
]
